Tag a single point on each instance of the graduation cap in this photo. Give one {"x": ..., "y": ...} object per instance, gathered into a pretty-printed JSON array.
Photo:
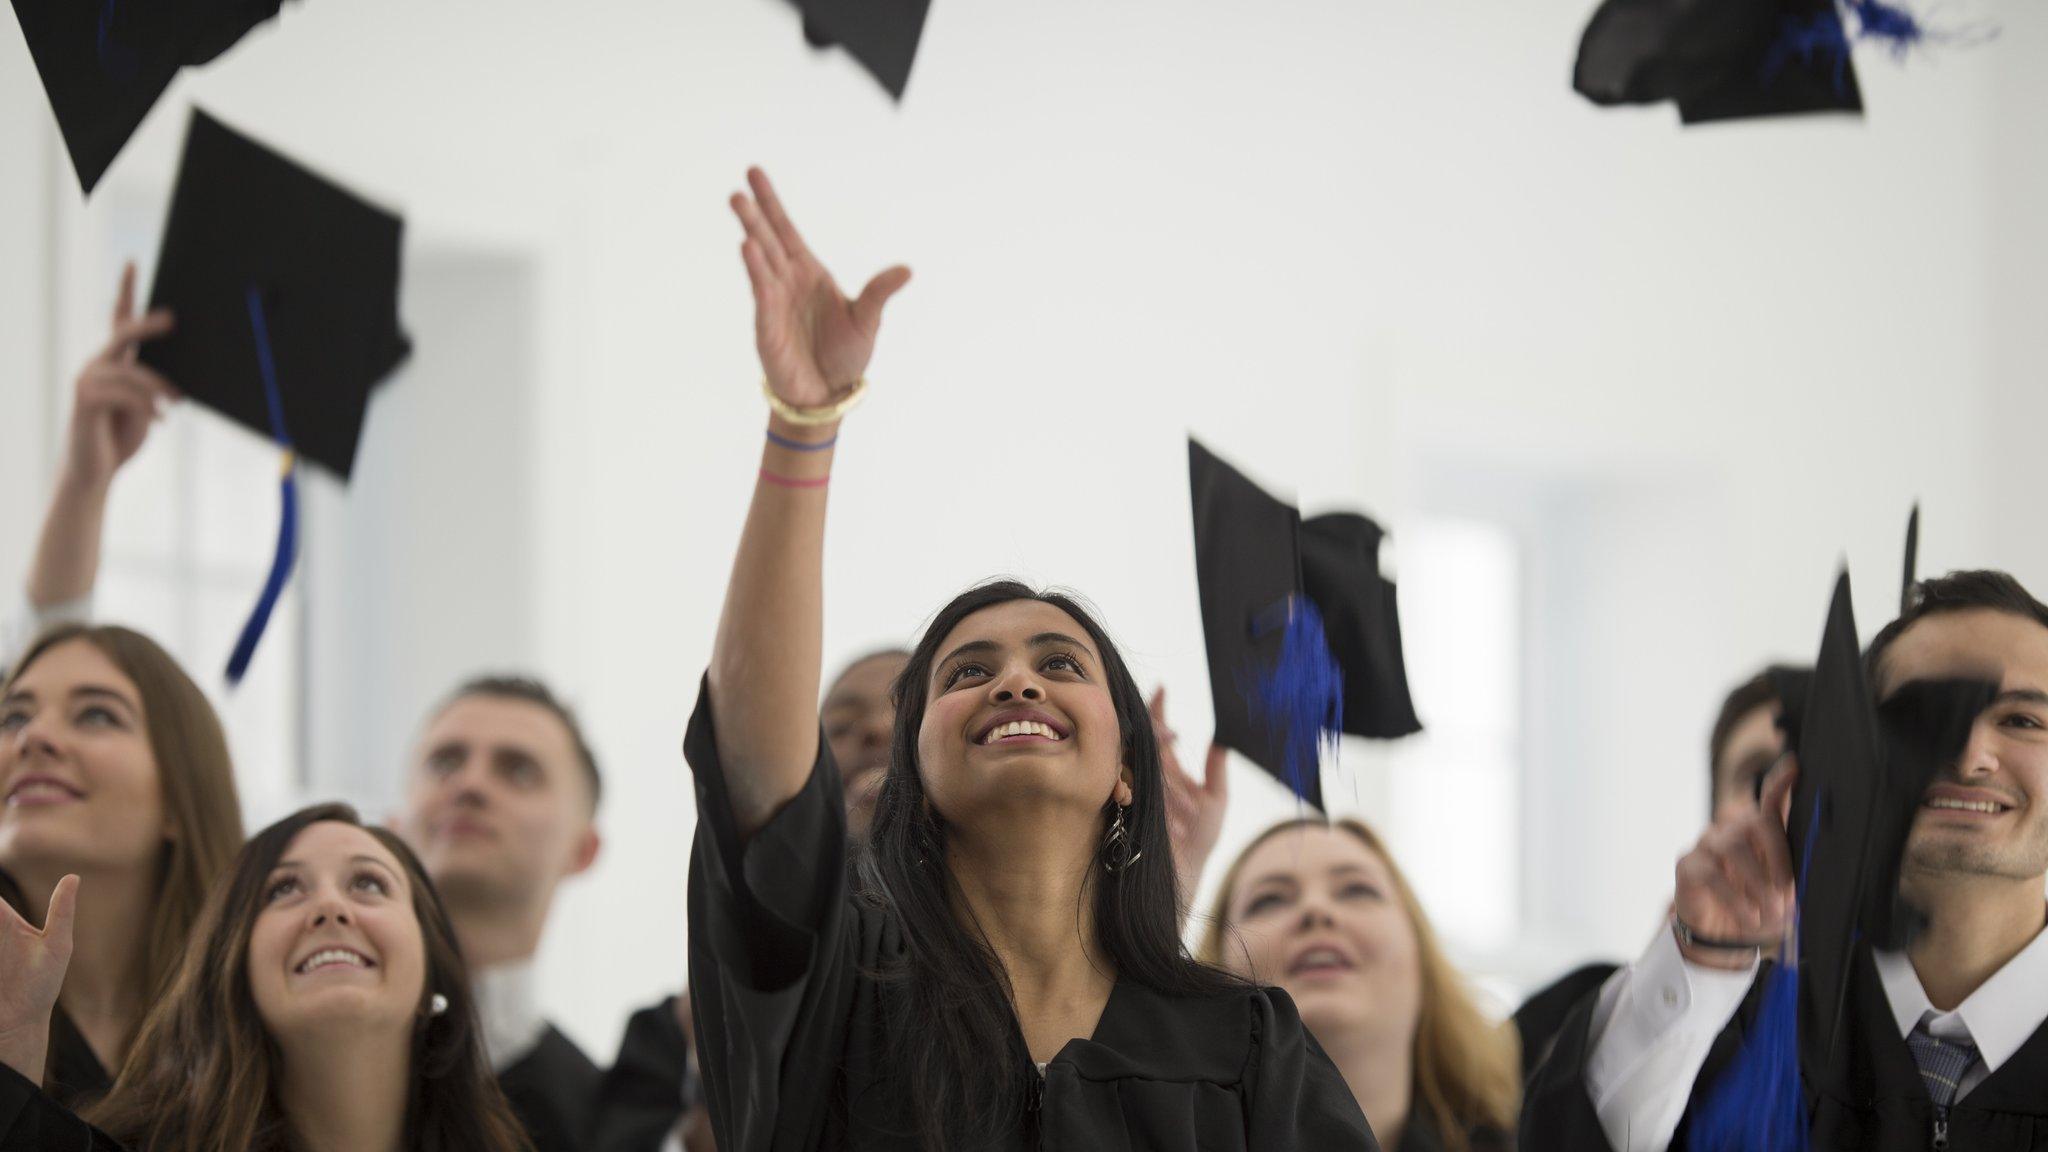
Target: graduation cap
[
  {"x": 285, "y": 287},
  {"x": 1719, "y": 59},
  {"x": 881, "y": 34},
  {"x": 1301, "y": 630},
  {"x": 1912, "y": 577},
  {"x": 105, "y": 63},
  {"x": 1864, "y": 765}
]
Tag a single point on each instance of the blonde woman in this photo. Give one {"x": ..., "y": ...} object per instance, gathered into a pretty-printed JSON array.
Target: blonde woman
[{"x": 1322, "y": 911}]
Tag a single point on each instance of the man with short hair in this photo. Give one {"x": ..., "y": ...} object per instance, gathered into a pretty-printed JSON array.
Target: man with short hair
[
  {"x": 501, "y": 805},
  {"x": 1944, "y": 1042}
]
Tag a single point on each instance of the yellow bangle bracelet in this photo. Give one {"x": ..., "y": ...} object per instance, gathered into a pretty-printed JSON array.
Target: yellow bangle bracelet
[{"x": 812, "y": 417}]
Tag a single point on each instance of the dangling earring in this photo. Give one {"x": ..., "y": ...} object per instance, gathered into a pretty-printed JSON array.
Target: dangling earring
[
  {"x": 437, "y": 1005},
  {"x": 1116, "y": 847}
]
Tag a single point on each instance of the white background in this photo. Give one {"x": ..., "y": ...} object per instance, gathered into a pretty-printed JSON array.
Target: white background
[{"x": 1377, "y": 253}]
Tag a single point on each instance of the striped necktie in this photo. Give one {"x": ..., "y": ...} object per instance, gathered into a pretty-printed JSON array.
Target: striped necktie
[{"x": 1942, "y": 1063}]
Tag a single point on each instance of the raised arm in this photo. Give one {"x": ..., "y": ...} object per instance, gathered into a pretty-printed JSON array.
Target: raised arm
[
  {"x": 814, "y": 344},
  {"x": 115, "y": 401}
]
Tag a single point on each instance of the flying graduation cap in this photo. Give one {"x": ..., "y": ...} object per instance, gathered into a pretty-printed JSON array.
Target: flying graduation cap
[
  {"x": 104, "y": 63},
  {"x": 285, "y": 288},
  {"x": 1303, "y": 638},
  {"x": 1864, "y": 766},
  {"x": 1719, "y": 59},
  {"x": 881, "y": 34}
]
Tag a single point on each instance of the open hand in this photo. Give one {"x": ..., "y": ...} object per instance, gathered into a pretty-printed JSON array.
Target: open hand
[
  {"x": 814, "y": 342},
  {"x": 116, "y": 398},
  {"x": 1194, "y": 812},
  {"x": 1736, "y": 885},
  {"x": 32, "y": 967}
]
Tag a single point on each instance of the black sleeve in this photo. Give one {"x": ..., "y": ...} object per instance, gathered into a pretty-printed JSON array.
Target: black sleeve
[
  {"x": 772, "y": 954},
  {"x": 32, "y": 1122},
  {"x": 1298, "y": 1099},
  {"x": 1557, "y": 1109},
  {"x": 643, "y": 1096}
]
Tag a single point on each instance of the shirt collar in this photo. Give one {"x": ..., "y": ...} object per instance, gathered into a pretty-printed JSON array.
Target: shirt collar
[
  {"x": 509, "y": 1011},
  {"x": 2000, "y": 1015}
]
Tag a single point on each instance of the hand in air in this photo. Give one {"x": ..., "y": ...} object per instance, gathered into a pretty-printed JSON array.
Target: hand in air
[
  {"x": 32, "y": 967},
  {"x": 1736, "y": 885},
  {"x": 117, "y": 397},
  {"x": 814, "y": 341},
  {"x": 1194, "y": 812}
]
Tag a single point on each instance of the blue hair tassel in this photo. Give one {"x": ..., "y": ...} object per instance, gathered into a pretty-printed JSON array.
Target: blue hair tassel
[
  {"x": 287, "y": 551},
  {"x": 1759, "y": 1102},
  {"x": 1302, "y": 697}
]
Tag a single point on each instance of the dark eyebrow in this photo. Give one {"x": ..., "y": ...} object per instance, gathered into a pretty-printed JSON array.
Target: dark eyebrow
[
  {"x": 1039, "y": 641},
  {"x": 359, "y": 858},
  {"x": 18, "y": 696},
  {"x": 2021, "y": 696}
]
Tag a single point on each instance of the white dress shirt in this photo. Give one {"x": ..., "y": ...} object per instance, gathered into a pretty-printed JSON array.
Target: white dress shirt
[
  {"x": 508, "y": 1010},
  {"x": 1657, "y": 1018}
]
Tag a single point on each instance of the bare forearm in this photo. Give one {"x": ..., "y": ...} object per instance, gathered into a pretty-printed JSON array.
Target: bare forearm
[
  {"x": 67, "y": 560},
  {"x": 766, "y": 659}
]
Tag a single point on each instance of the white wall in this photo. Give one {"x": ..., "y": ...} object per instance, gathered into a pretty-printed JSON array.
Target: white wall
[{"x": 1377, "y": 253}]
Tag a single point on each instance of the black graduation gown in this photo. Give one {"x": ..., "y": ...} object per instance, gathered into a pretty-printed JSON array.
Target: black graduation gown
[
  {"x": 1541, "y": 1017},
  {"x": 793, "y": 1031},
  {"x": 74, "y": 1077},
  {"x": 642, "y": 1097},
  {"x": 553, "y": 1092},
  {"x": 31, "y": 1120},
  {"x": 1869, "y": 1099}
]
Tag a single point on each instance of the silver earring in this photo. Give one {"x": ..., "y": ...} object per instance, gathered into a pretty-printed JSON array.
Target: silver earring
[
  {"x": 1116, "y": 847},
  {"x": 438, "y": 1005}
]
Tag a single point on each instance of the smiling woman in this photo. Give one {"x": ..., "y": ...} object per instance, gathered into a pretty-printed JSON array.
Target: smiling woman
[
  {"x": 1006, "y": 969},
  {"x": 322, "y": 1003},
  {"x": 115, "y": 769}
]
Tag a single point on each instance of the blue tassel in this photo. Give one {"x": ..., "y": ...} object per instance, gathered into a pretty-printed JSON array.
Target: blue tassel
[
  {"x": 1820, "y": 38},
  {"x": 1891, "y": 24},
  {"x": 1302, "y": 697},
  {"x": 287, "y": 551},
  {"x": 1759, "y": 1103}
]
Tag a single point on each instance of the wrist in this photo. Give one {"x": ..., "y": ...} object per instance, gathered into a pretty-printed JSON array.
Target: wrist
[
  {"x": 1707, "y": 952},
  {"x": 24, "y": 1050}
]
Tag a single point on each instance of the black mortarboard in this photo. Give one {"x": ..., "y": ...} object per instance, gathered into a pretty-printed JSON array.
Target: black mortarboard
[
  {"x": 881, "y": 34},
  {"x": 325, "y": 263},
  {"x": 285, "y": 289},
  {"x": 1864, "y": 766},
  {"x": 1300, "y": 627},
  {"x": 1719, "y": 59},
  {"x": 1912, "y": 576},
  {"x": 104, "y": 63}
]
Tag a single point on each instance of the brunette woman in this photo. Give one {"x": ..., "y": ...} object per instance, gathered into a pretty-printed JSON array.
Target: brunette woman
[
  {"x": 321, "y": 1005},
  {"x": 113, "y": 768},
  {"x": 1006, "y": 969}
]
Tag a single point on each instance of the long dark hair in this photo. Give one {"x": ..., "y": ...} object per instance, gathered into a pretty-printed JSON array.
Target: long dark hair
[
  {"x": 197, "y": 779},
  {"x": 963, "y": 1079},
  {"x": 202, "y": 1076}
]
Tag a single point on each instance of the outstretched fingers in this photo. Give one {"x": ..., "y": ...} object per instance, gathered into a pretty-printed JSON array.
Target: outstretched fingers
[
  {"x": 778, "y": 218},
  {"x": 761, "y": 233}
]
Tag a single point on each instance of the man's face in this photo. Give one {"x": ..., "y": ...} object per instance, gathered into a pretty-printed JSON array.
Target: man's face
[
  {"x": 860, "y": 721},
  {"x": 1754, "y": 744},
  {"x": 499, "y": 806},
  {"x": 1987, "y": 814}
]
